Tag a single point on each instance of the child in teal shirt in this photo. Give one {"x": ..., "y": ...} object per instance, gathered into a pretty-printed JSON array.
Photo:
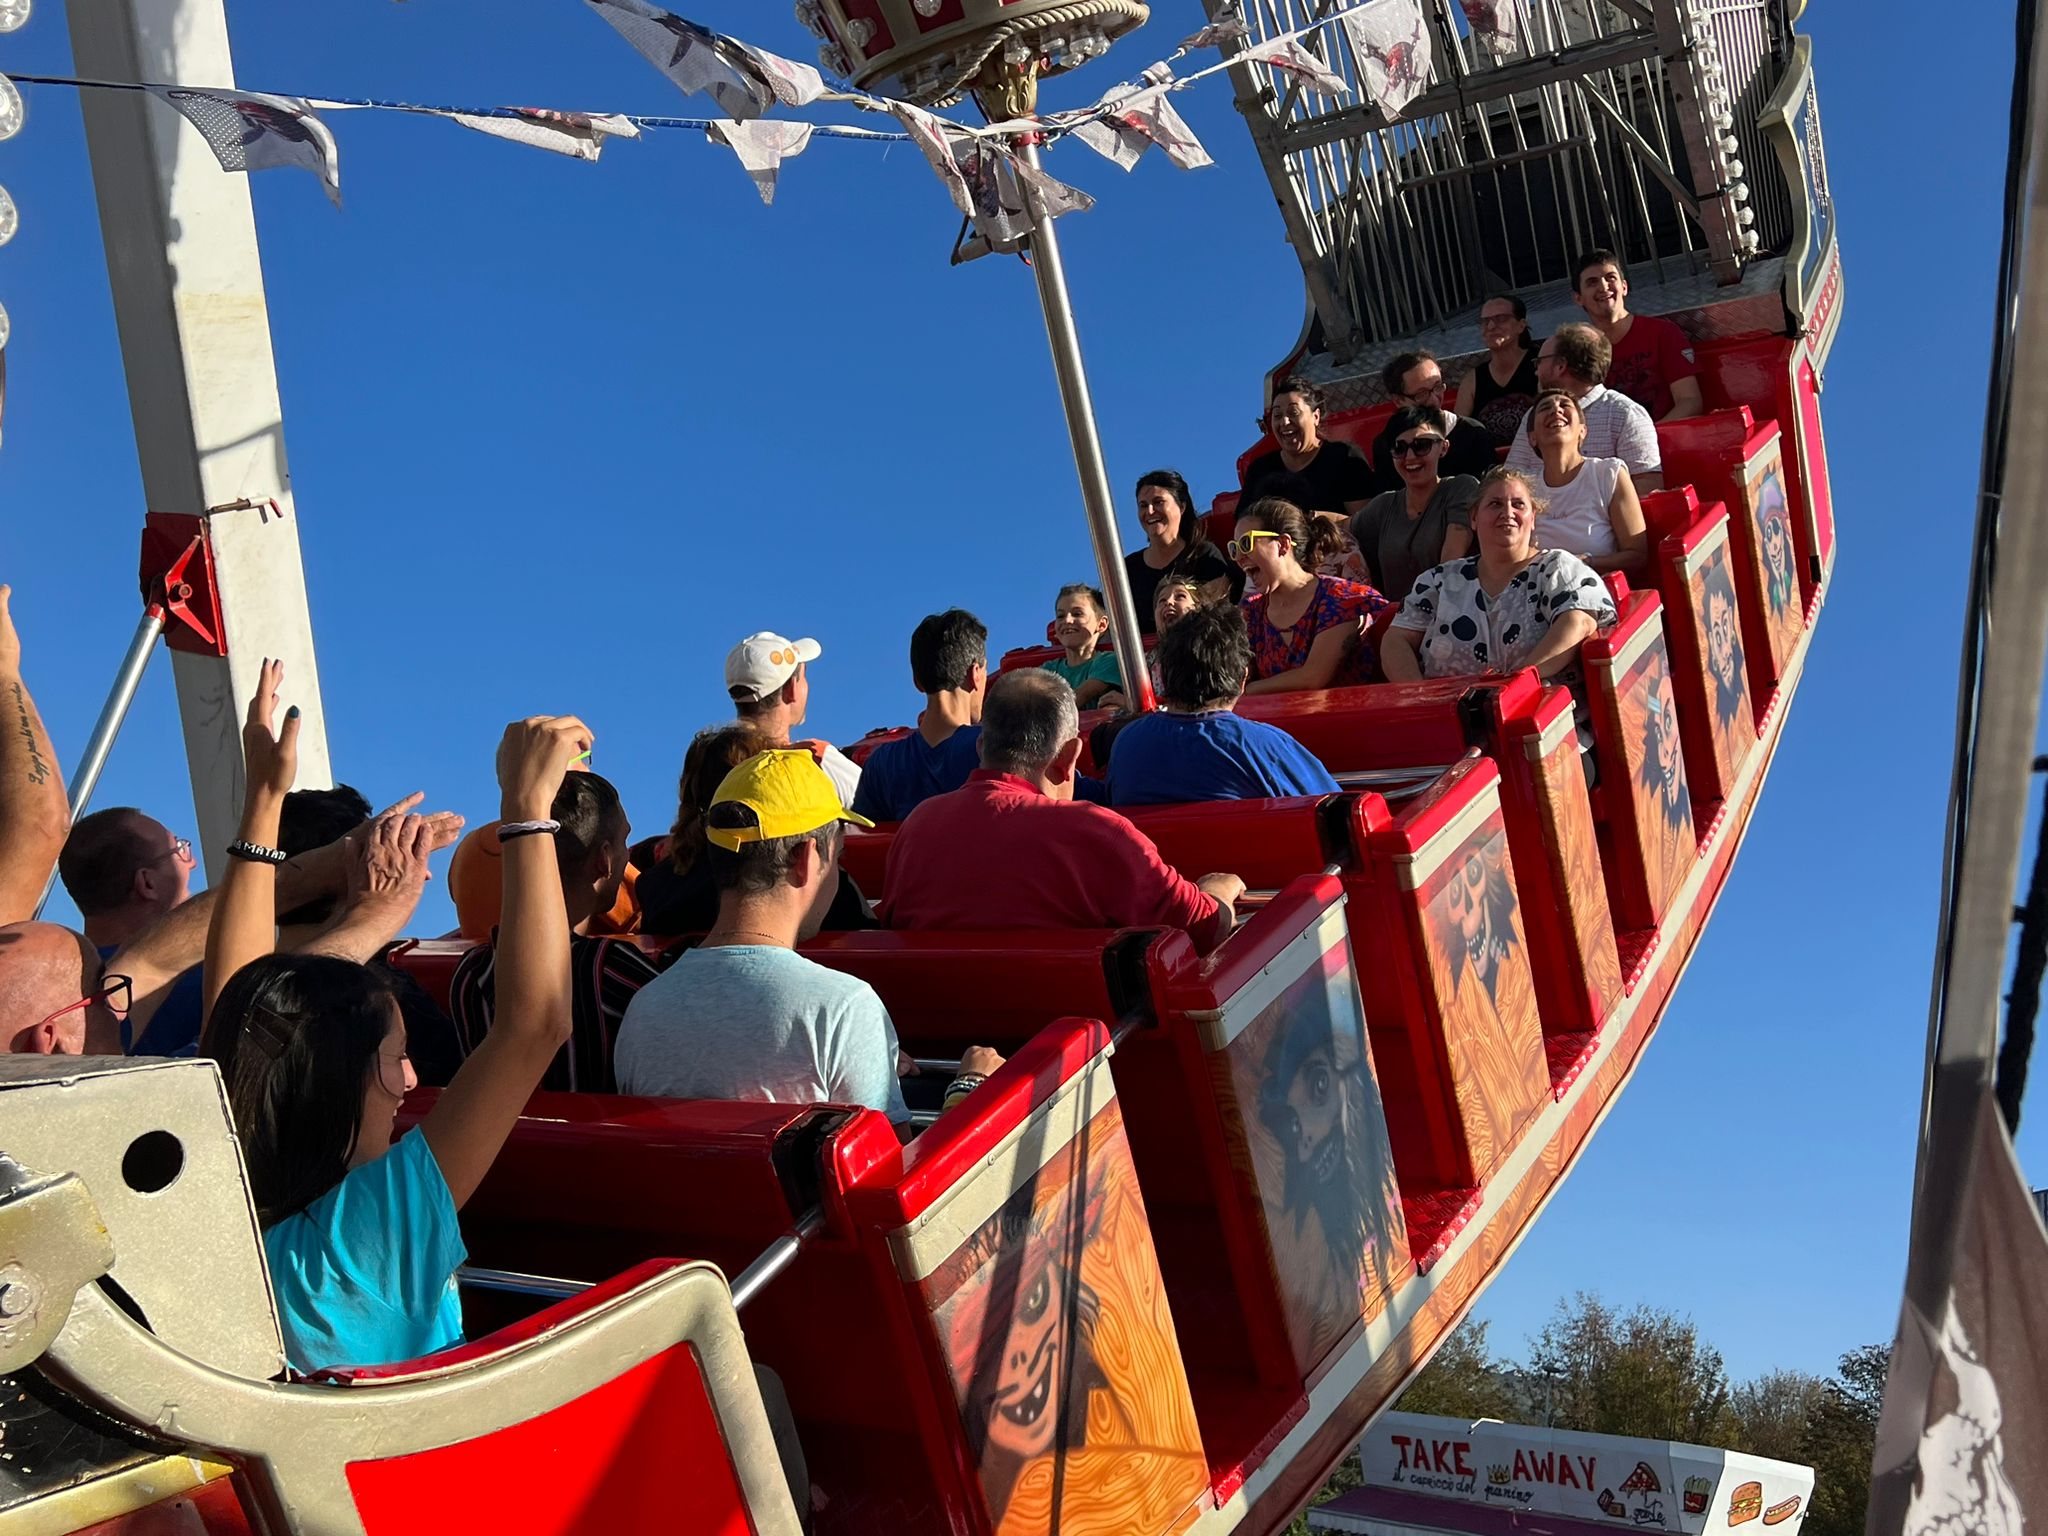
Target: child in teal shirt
[{"x": 1080, "y": 618}]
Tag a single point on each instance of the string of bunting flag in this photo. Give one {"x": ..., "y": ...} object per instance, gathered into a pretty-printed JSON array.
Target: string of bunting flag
[{"x": 999, "y": 194}]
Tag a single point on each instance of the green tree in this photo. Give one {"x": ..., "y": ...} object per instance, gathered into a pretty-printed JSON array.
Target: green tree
[
  {"x": 1773, "y": 1414},
  {"x": 1841, "y": 1438},
  {"x": 1463, "y": 1380},
  {"x": 1642, "y": 1372}
]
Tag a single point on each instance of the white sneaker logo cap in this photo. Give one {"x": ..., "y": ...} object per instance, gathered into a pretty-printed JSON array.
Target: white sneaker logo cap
[{"x": 760, "y": 664}]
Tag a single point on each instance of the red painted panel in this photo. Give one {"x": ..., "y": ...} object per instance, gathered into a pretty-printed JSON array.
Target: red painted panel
[
  {"x": 641, "y": 1452},
  {"x": 1642, "y": 769},
  {"x": 1709, "y": 674},
  {"x": 1820, "y": 499},
  {"x": 869, "y": 11},
  {"x": 1558, "y": 873},
  {"x": 209, "y": 1510}
]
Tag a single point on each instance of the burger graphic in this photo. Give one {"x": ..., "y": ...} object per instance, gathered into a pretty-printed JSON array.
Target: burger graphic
[{"x": 1746, "y": 1503}]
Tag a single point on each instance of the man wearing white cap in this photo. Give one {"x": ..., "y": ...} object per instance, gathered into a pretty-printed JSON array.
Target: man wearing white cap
[{"x": 764, "y": 673}]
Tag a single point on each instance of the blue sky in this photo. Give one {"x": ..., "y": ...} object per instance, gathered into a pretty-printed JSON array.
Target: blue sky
[{"x": 561, "y": 433}]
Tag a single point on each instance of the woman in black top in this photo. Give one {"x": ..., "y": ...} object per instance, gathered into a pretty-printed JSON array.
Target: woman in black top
[
  {"x": 1500, "y": 391},
  {"x": 1336, "y": 474},
  {"x": 1175, "y": 542}
]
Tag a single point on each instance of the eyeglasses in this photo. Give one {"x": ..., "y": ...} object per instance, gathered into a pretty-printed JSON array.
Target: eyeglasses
[
  {"x": 1414, "y": 447},
  {"x": 1495, "y": 322},
  {"x": 182, "y": 847},
  {"x": 1242, "y": 546},
  {"x": 114, "y": 991},
  {"x": 1426, "y": 394}
]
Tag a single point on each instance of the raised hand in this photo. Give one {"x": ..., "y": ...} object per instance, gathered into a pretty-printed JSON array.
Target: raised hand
[
  {"x": 271, "y": 757},
  {"x": 533, "y": 759},
  {"x": 390, "y": 862}
]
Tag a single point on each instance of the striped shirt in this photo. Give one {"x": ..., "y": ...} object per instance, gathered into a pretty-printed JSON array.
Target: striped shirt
[
  {"x": 604, "y": 974},
  {"x": 1616, "y": 428}
]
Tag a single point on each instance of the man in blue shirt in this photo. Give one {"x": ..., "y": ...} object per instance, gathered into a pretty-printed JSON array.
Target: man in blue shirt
[
  {"x": 1194, "y": 747},
  {"x": 949, "y": 664}
]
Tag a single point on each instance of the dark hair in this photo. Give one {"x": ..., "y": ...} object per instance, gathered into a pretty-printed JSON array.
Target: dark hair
[
  {"x": 758, "y": 867},
  {"x": 1536, "y": 407},
  {"x": 313, "y": 818},
  {"x": 100, "y": 858},
  {"x": 588, "y": 808},
  {"x": 1204, "y": 659},
  {"x": 1326, "y": 534},
  {"x": 1094, "y": 596},
  {"x": 1399, "y": 367},
  {"x": 711, "y": 756},
  {"x": 1190, "y": 532},
  {"x": 1295, "y": 384},
  {"x": 1597, "y": 258},
  {"x": 1410, "y": 417},
  {"x": 297, "y": 1037},
  {"x": 1283, "y": 517},
  {"x": 1584, "y": 351},
  {"x": 945, "y": 648},
  {"x": 1173, "y": 579},
  {"x": 1026, "y": 719},
  {"x": 1513, "y": 302}
]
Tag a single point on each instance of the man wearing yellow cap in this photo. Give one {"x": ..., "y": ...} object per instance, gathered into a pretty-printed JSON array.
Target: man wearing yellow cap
[{"x": 743, "y": 1016}]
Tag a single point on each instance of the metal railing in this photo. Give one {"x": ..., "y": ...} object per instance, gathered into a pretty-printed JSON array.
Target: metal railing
[{"x": 1512, "y": 163}]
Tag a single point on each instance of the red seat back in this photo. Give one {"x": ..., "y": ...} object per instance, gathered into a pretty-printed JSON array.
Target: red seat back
[{"x": 1694, "y": 567}]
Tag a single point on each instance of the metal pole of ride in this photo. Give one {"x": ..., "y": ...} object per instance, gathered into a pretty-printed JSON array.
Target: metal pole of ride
[
  {"x": 1051, "y": 274},
  {"x": 101, "y": 743}
]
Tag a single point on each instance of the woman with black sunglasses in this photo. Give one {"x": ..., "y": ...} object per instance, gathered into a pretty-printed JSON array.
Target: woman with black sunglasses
[{"x": 1403, "y": 533}]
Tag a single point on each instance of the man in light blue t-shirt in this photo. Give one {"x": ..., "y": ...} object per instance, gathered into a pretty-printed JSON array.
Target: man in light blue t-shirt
[
  {"x": 1195, "y": 747},
  {"x": 743, "y": 1016}
]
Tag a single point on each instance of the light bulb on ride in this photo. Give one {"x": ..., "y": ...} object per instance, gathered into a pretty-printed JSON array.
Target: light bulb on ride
[
  {"x": 11, "y": 109},
  {"x": 6, "y": 328},
  {"x": 1750, "y": 244},
  {"x": 1739, "y": 190},
  {"x": 13, "y": 15},
  {"x": 1735, "y": 170},
  {"x": 1723, "y": 119},
  {"x": 1730, "y": 145},
  {"x": 10, "y": 217},
  {"x": 1745, "y": 217}
]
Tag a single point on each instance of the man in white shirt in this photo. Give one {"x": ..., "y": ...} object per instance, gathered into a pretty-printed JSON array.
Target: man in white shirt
[
  {"x": 765, "y": 675},
  {"x": 1575, "y": 358}
]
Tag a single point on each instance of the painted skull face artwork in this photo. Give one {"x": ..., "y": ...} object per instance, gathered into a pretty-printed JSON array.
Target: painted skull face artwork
[
  {"x": 1474, "y": 917},
  {"x": 1724, "y": 646},
  {"x": 1663, "y": 771}
]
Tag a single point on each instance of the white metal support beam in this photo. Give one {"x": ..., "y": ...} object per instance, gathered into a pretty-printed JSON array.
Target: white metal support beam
[{"x": 195, "y": 339}]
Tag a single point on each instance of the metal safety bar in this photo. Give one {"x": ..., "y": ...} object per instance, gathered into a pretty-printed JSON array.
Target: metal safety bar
[{"x": 747, "y": 1284}]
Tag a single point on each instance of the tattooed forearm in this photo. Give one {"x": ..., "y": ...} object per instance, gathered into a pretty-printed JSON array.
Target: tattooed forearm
[{"x": 38, "y": 769}]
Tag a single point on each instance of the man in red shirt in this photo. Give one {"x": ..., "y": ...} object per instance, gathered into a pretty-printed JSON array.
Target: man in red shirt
[
  {"x": 1653, "y": 360},
  {"x": 1014, "y": 849}
]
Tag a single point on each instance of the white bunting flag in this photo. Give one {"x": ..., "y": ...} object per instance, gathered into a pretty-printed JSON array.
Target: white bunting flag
[
  {"x": 1132, "y": 119},
  {"x": 762, "y": 147},
  {"x": 928, "y": 133},
  {"x": 1288, "y": 54},
  {"x": 1227, "y": 27},
  {"x": 581, "y": 134},
  {"x": 1390, "y": 42},
  {"x": 1001, "y": 190},
  {"x": 251, "y": 132},
  {"x": 1497, "y": 24},
  {"x": 743, "y": 80}
]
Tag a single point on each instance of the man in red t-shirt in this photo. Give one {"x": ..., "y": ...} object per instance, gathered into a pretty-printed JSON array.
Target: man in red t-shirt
[
  {"x": 1653, "y": 360},
  {"x": 1014, "y": 849}
]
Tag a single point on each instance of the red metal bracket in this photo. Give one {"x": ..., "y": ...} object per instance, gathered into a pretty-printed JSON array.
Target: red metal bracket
[{"x": 178, "y": 577}]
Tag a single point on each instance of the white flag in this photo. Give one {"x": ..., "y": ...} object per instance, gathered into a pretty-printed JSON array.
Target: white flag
[
  {"x": 1390, "y": 42},
  {"x": 1133, "y": 119},
  {"x": 1227, "y": 27},
  {"x": 1288, "y": 54},
  {"x": 1497, "y": 24},
  {"x": 762, "y": 147},
  {"x": 928, "y": 133},
  {"x": 1001, "y": 191},
  {"x": 743, "y": 80},
  {"x": 251, "y": 132},
  {"x": 581, "y": 134}
]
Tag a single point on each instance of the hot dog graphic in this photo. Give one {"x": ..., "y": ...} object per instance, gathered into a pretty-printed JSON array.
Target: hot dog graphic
[{"x": 1782, "y": 1511}]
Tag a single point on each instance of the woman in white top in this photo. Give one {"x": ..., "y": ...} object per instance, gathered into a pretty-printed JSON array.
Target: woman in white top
[{"x": 1590, "y": 505}]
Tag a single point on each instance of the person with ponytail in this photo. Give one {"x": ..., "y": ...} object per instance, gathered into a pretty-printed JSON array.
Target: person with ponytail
[
  {"x": 361, "y": 1233},
  {"x": 1305, "y": 629}
]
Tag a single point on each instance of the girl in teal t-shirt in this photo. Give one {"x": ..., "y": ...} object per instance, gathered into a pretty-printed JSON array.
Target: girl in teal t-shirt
[
  {"x": 1080, "y": 619},
  {"x": 361, "y": 1236}
]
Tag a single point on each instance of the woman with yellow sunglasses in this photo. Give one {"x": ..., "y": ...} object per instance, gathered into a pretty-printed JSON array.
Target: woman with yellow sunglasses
[{"x": 1305, "y": 629}]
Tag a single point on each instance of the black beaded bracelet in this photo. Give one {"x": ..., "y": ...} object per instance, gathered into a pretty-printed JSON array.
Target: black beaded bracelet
[
  {"x": 962, "y": 1086},
  {"x": 256, "y": 853}
]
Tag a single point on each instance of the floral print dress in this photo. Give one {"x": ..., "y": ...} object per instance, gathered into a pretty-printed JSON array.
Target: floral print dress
[{"x": 1336, "y": 602}]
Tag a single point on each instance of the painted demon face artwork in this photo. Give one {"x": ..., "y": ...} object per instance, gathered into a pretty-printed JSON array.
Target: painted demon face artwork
[
  {"x": 1663, "y": 770},
  {"x": 1306, "y": 1100},
  {"x": 1724, "y": 646},
  {"x": 1777, "y": 544},
  {"x": 1022, "y": 1334},
  {"x": 1475, "y": 917}
]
